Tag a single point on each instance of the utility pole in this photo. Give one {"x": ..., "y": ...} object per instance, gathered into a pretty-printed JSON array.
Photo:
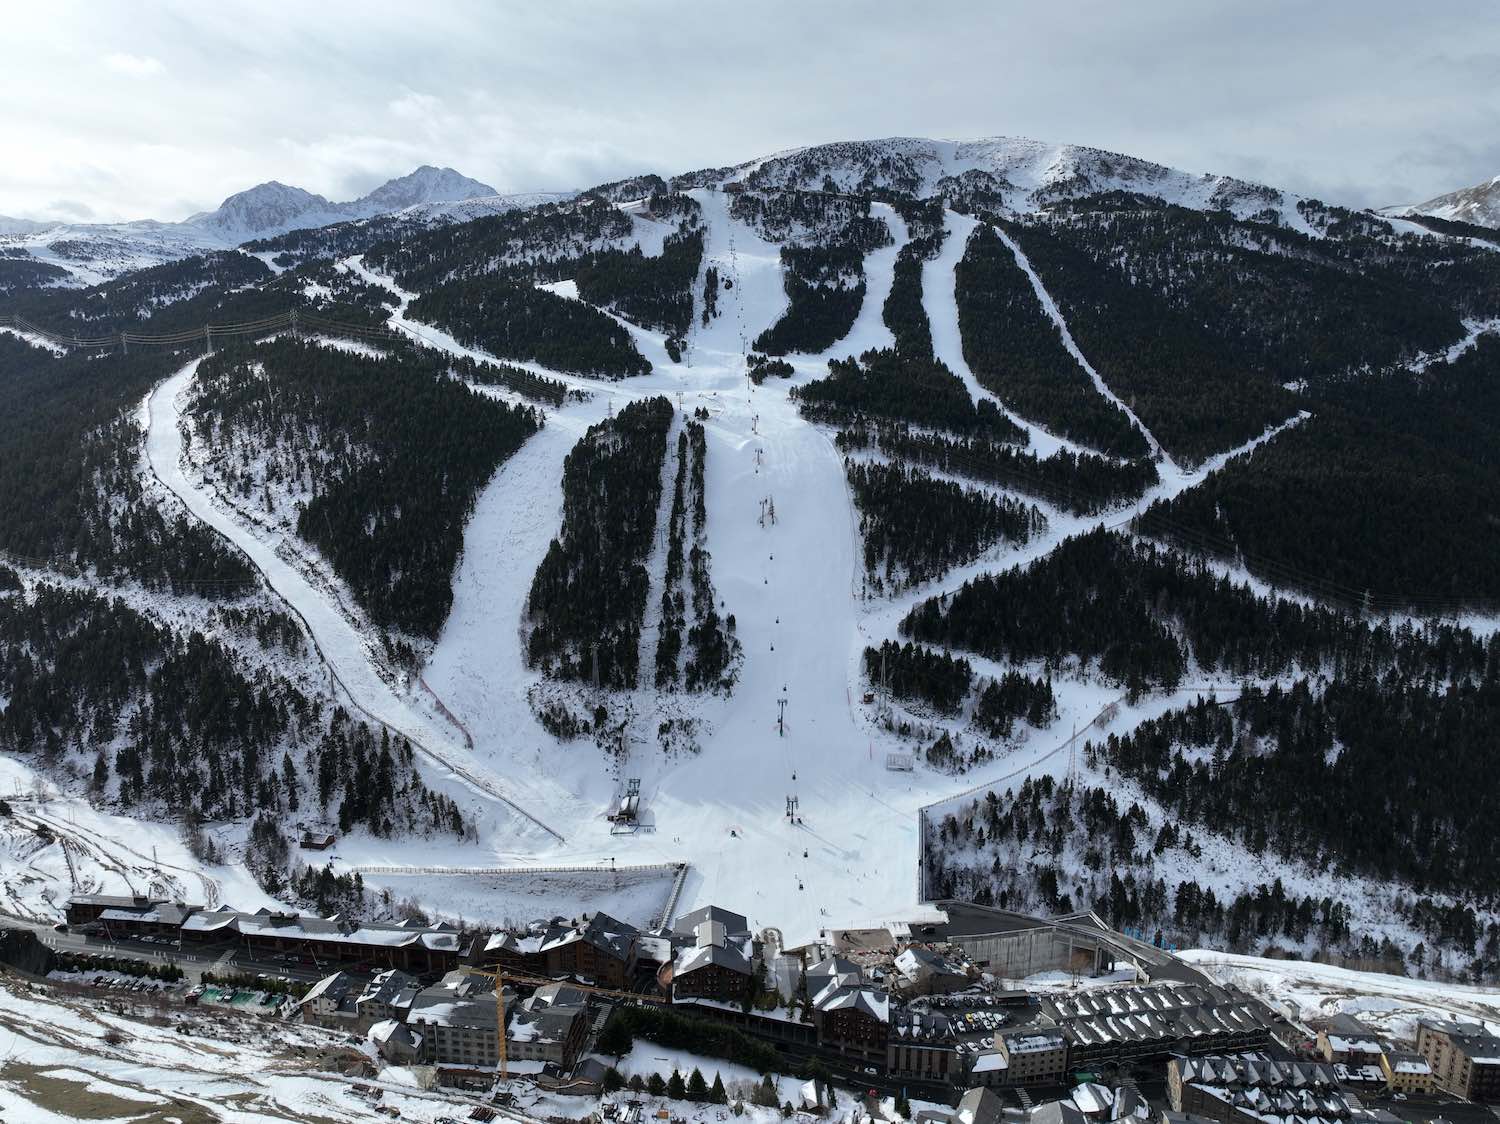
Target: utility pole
[
  {"x": 124, "y": 345},
  {"x": 781, "y": 717}
]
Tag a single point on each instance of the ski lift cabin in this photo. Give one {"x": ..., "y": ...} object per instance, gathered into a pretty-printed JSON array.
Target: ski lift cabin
[{"x": 627, "y": 809}]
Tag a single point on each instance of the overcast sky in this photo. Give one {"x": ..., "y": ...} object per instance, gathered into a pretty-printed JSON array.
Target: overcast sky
[{"x": 118, "y": 110}]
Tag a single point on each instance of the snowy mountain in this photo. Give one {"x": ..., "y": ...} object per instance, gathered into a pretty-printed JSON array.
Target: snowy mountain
[
  {"x": 1479, "y": 205},
  {"x": 1027, "y": 174},
  {"x": 864, "y": 472},
  {"x": 10, "y": 226},
  {"x": 274, "y": 208},
  {"x": 267, "y": 208},
  {"x": 426, "y": 185},
  {"x": 94, "y": 252}
]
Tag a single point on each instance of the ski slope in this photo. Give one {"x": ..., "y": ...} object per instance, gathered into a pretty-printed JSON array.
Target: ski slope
[
  {"x": 347, "y": 653},
  {"x": 792, "y": 585}
]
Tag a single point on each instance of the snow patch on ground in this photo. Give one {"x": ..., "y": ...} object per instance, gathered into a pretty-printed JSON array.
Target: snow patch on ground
[{"x": 1390, "y": 1004}]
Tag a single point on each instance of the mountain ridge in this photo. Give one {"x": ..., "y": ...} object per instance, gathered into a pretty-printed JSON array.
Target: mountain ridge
[
  {"x": 93, "y": 252},
  {"x": 1479, "y": 204}
]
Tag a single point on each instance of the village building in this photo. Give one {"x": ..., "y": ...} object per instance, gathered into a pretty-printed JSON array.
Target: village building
[
  {"x": 1465, "y": 1058},
  {"x": 517, "y": 952},
  {"x": 82, "y": 909},
  {"x": 388, "y": 996},
  {"x": 331, "y": 1002},
  {"x": 456, "y": 1018},
  {"x": 1248, "y": 1088},
  {"x": 1347, "y": 1041},
  {"x": 716, "y": 965},
  {"x": 396, "y": 1042},
  {"x": 1136, "y": 1024},
  {"x": 599, "y": 950},
  {"x": 852, "y": 1017},
  {"x": 921, "y": 1046},
  {"x": 161, "y": 919},
  {"x": 549, "y": 1027},
  {"x": 918, "y": 970},
  {"x": 1407, "y": 1072},
  {"x": 1035, "y": 1056}
]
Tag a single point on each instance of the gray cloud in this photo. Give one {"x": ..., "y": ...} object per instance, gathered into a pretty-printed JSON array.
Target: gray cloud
[
  {"x": 70, "y": 209},
  {"x": 1365, "y": 104}
]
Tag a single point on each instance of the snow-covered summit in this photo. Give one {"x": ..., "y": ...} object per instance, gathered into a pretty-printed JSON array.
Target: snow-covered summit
[
  {"x": 1479, "y": 204},
  {"x": 10, "y": 227},
  {"x": 426, "y": 185},
  {"x": 267, "y": 208},
  {"x": 1027, "y": 174},
  {"x": 95, "y": 252},
  {"x": 275, "y": 208}
]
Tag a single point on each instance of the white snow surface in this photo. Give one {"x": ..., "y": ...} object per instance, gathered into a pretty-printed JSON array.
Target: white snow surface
[
  {"x": 1389, "y": 1004},
  {"x": 69, "y": 1061}
]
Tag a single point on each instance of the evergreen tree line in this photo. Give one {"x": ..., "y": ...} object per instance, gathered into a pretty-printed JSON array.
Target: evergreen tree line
[
  {"x": 1452, "y": 228},
  {"x": 711, "y": 283},
  {"x": 526, "y": 383},
  {"x": 1015, "y": 350},
  {"x": 917, "y": 674},
  {"x": 712, "y": 647},
  {"x": 923, "y": 217},
  {"x": 632, "y": 187},
  {"x": 656, "y": 292},
  {"x": 904, "y": 313},
  {"x": 823, "y": 297},
  {"x": 916, "y": 527},
  {"x": 1138, "y": 611},
  {"x": 761, "y": 367},
  {"x": 217, "y": 288},
  {"x": 341, "y": 240},
  {"x": 71, "y": 493},
  {"x": 900, "y": 388},
  {"x": 673, "y": 600},
  {"x": 1081, "y": 483},
  {"x": 1104, "y": 858},
  {"x": 526, "y": 245},
  {"x": 516, "y": 320},
  {"x": 1282, "y": 303},
  {"x": 1387, "y": 490},
  {"x": 1302, "y": 775},
  {"x": 588, "y": 597},
  {"x": 1014, "y": 696},
  {"x": 1195, "y": 390},
  {"x": 356, "y": 439},
  {"x": 25, "y": 272},
  {"x": 172, "y": 723},
  {"x": 810, "y": 218}
]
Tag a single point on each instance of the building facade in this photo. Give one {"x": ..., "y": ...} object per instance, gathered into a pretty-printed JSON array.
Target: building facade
[{"x": 1465, "y": 1059}]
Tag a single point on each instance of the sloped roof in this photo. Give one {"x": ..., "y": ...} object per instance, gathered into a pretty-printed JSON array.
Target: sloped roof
[
  {"x": 844, "y": 997},
  {"x": 687, "y": 924}
]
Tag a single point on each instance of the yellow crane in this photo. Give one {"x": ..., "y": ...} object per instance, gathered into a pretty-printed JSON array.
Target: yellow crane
[{"x": 501, "y": 977}]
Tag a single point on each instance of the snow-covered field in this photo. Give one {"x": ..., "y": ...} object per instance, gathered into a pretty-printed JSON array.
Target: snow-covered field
[
  {"x": 1389, "y": 1004},
  {"x": 97, "y": 852},
  {"x": 67, "y": 1061}
]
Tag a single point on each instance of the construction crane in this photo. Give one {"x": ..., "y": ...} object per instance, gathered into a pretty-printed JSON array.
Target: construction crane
[{"x": 501, "y": 978}]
